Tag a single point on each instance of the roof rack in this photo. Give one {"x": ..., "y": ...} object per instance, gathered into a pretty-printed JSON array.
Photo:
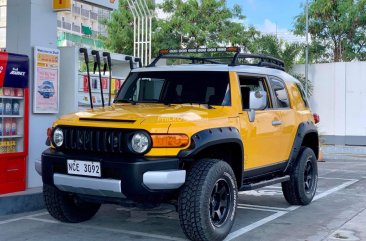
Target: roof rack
[{"x": 264, "y": 61}]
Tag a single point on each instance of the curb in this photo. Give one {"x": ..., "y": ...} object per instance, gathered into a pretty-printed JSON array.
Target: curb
[{"x": 29, "y": 200}]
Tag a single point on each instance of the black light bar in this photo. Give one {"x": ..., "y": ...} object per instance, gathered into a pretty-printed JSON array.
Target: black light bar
[{"x": 200, "y": 50}]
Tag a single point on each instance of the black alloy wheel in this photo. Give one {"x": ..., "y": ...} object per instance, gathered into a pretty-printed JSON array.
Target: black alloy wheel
[
  {"x": 301, "y": 188},
  {"x": 309, "y": 176},
  {"x": 207, "y": 201},
  {"x": 219, "y": 202}
]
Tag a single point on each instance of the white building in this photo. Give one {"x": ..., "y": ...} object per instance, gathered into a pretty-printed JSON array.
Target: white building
[
  {"x": 82, "y": 26},
  {"x": 79, "y": 27}
]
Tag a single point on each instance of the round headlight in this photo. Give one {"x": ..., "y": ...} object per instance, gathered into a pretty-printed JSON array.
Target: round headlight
[
  {"x": 140, "y": 142},
  {"x": 58, "y": 137}
]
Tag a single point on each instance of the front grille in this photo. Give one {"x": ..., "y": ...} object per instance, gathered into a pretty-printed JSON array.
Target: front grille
[{"x": 94, "y": 139}]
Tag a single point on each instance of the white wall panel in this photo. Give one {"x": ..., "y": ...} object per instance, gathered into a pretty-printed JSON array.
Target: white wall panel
[
  {"x": 340, "y": 99},
  {"x": 356, "y": 99}
]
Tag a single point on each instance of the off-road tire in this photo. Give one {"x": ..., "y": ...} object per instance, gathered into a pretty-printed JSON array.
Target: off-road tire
[
  {"x": 206, "y": 182},
  {"x": 296, "y": 191},
  {"x": 66, "y": 208}
]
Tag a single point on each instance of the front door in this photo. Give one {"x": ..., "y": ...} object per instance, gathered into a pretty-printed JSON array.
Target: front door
[{"x": 262, "y": 137}]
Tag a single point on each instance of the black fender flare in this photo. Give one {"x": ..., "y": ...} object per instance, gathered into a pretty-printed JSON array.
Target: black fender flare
[
  {"x": 303, "y": 129},
  {"x": 211, "y": 137}
]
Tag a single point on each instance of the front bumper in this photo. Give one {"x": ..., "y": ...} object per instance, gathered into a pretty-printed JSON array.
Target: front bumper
[{"x": 122, "y": 176}]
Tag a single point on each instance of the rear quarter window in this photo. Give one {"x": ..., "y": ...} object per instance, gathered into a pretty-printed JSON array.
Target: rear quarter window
[
  {"x": 296, "y": 97},
  {"x": 280, "y": 93},
  {"x": 303, "y": 95}
]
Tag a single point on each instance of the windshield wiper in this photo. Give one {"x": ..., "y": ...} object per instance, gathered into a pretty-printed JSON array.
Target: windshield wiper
[
  {"x": 126, "y": 101},
  {"x": 209, "y": 106}
]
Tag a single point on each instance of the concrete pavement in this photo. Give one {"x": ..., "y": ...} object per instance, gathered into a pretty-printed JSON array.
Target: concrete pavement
[{"x": 338, "y": 212}]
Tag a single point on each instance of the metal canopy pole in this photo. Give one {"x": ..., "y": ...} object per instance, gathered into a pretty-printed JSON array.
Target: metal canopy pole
[
  {"x": 134, "y": 29},
  {"x": 143, "y": 5},
  {"x": 142, "y": 41},
  {"x": 148, "y": 31},
  {"x": 131, "y": 4},
  {"x": 307, "y": 48}
]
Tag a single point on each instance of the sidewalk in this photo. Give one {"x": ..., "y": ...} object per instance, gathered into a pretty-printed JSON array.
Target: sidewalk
[
  {"x": 342, "y": 152},
  {"x": 352, "y": 230}
]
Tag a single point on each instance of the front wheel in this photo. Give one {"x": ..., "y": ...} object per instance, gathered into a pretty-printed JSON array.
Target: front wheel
[
  {"x": 301, "y": 188},
  {"x": 65, "y": 207},
  {"x": 207, "y": 201}
]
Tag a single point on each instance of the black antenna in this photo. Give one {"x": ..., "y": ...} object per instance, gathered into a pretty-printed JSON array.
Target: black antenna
[
  {"x": 108, "y": 63},
  {"x": 97, "y": 64},
  {"x": 86, "y": 59}
]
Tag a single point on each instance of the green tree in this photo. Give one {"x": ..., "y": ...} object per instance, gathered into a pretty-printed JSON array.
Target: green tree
[
  {"x": 204, "y": 23},
  {"x": 289, "y": 52},
  {"x": 270, "y": 45},
  {"x": 318, "y": 53},
  {"x": 119, "y": 29},
  {"x": 339, "y": 26}
]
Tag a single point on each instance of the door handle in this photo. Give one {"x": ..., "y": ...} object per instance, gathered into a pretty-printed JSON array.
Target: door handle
[{"x": 276, "y": 122}]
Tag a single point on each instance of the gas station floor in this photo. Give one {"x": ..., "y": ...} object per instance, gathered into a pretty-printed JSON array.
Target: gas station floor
[{"x": 337, "y": 213}]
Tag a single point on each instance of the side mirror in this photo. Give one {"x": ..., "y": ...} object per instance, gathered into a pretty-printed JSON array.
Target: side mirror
[{"x": 258, "y": 100}]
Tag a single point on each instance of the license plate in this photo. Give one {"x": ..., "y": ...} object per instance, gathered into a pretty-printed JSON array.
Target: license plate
[{"x": 84, "y": 168}]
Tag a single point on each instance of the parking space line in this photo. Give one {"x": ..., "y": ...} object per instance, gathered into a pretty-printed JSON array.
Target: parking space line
[
  {"x": 43, "y": 220},
  {"x": 123, "y": 231},
  {"x": 282, "y": 211},
  {"x": 335, "y": 189},
  {"x": 274, "y": 187},
  {"x": 341, "y": 170},
  {"x": 337, "y": 178},
  {"x": 257, "y": 209},
  {"x": 275, "y": 209},
  {"x": 21, "y": 218},
  {"x": 252, "y": 226}
]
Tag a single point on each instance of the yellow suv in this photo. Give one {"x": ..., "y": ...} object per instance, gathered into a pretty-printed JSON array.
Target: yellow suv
[{"x": 191, "y": 134}]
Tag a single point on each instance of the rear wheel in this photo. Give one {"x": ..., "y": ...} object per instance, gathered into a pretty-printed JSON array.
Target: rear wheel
[
  {"x": 301, "y": 188},
  {"x": 207, "y": 201},
  {"x": 66, "y": 208}
]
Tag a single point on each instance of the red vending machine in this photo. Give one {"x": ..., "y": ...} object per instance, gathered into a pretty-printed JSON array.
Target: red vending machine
[{"x": 14, "y": 108}]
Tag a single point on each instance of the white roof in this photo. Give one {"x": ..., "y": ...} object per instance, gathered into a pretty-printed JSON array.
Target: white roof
[{"x": 221, "y": 67}]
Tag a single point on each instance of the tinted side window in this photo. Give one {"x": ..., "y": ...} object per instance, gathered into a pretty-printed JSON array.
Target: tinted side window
[
  {"x": 280, "y": 93},
  {"x": 250, "y": 84}
]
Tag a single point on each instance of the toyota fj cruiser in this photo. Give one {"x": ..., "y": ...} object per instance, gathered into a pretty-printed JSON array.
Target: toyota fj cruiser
[{"x": 190, "y": 134}]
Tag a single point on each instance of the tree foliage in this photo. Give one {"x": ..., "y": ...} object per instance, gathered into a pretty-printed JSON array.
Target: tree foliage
[
  {"x": 119, "y": 29},
  {"x": 289, "y": 52},
  {"x": 337, "y": 29},
  {"x": 270, "y": 45},
  {"x": 204, "y": 23}
]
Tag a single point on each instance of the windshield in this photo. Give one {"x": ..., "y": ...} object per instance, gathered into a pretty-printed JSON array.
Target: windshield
[{"x": 176, "y": 87}]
